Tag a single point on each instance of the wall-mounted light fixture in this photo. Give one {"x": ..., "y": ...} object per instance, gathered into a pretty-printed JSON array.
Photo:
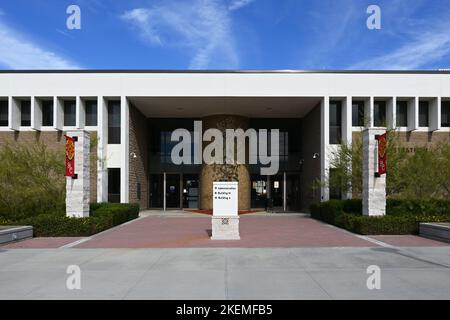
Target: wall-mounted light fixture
[
  {"x": 133, "y": 155},
  {"x": 316, "y": 155}
]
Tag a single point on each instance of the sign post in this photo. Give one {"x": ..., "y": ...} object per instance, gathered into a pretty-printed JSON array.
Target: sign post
[
  {"x": 77, "y": 173},
  {"x": 225, "y": 219},
  {"x": 374, "y": 171}
]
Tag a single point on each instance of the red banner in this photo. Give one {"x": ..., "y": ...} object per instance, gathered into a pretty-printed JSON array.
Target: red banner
[
  {"x": 70, "y": 156},
  {"x": 382, "y": 154}
]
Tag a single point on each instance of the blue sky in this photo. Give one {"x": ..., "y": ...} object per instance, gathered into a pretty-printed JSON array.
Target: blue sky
[{"x": 225, "y": 34}]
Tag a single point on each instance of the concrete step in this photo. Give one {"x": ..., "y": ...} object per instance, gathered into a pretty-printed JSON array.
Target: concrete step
[
  {"x": 15, "y": 233},
  {"x": 435, "y": 231}
]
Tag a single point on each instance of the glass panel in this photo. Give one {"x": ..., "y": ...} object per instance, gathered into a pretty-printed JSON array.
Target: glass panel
[
  {"x": 402, "y": 114},
  {"x": 259, "y": 191},
  {"x": 276, "y": 193},
  {"x": 445, "y": 114},
  {"x": 190, "y": 191},
  {"x": 358, "y": 113},
  {"x": 114, "y": 185},
  {"x": 172, "y": 190},
  {"x": 69, "y": 113},
  {"x": 335, "y": 122},
  {"x": 25, "y": 113},
  {"x": 91, "y": 112},
  {"x": 423, "y": 114},
  {"x": 114, "y": 122},
  {"x": 379, "y": 113},
  {"x": 156, "y": 190},
  {"x": 293, "y": 199},
  {"x": 47, "y": 112},
  {"x": 335, "y": 190},
  {"x": 3, "y": 113}
]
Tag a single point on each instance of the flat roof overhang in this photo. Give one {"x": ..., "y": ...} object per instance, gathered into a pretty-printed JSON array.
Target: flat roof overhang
[{"x": 198, "y": 107}]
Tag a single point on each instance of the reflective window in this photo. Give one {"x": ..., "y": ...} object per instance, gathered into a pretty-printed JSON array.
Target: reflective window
[
  {"x": 3, "y": 113},
  {"x": 335, "y": 122},
  {"x": 114, "y": 185},
  {"x": 402, "y": 113},
  {"x": 25, "y": 113},
  {"x": 114, "y": 122},
  {"x": 379, "y": 113},
  {"x": 69, "y": 113},
  {"x": 445, "y": 114},
  {"x": 47, "y": 112},
  {"x": 90, "y": 107},
  {"x": 423, "y": 113},
  {"x": 358, "y": 113}
]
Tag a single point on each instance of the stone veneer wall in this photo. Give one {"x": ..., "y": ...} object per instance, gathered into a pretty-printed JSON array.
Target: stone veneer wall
[
  {"x": 410, "y": 140},
  {"x": 54, "y": 140},
  {"x": 310, "y": 131},
  {"x": 139, "y": 165}
]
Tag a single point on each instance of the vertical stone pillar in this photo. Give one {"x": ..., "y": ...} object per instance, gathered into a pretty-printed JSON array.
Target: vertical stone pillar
[
  {"x": 374, "y": 188},
  {"x": 78, "y": 190}
]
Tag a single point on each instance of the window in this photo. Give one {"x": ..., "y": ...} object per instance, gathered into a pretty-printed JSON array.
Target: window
[
  {"x": 358, "y": 113},
  {"x": 25, "y": 113},
  {"x": 114, "y": 185},
  {"x": 379, "y": 114},
  {"x": 445, "y": 114},
  {"x": 3, "y": 113},
  {"x": 114, "y": 122},
  {"x": 69, "y": 113},
  {"x": 335, "y": 122},
  {"x": 47, "y": 113},
  {"x": 423, "y": 114},
  {"x": 91, "y": 112},
  {"x": 402, "y": 113}
]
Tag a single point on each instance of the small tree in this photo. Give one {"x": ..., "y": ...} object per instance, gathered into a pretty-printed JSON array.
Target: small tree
[{"x": 31, "y": 180}]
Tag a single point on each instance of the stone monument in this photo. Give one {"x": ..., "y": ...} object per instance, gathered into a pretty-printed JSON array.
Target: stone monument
[
  {"x": 374, "y": 183},
  {"x": 225, "y": 219},
  {"x": 77, "y": 184}
]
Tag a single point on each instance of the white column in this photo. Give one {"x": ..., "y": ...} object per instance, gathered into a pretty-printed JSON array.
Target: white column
[
  {"x": 36, "y": 114},
  {"x": 435, "y": 114},
  {"x": 13, "y": 114},
  {"x": 413, "y": 114},
  {"x": 324, "y": 142},
  {"x": 80, "y": 114},
  {"x": 368, "y": 112},
  {"x": 391, "y": 114},
  {"x": 78, "y": 190},
  {"x": 125, "y": 154},
  {"x": 102, "y": 135},
  {"x": 58, "y": 114},
  {"x": 347, "y": 137},
  {"x": 374, "y": 188}
]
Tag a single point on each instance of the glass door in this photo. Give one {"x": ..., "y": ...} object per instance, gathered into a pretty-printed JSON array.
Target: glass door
[{"x": 172, "y": 191}]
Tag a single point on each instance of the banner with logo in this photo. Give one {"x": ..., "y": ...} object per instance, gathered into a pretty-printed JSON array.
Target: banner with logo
[
  {"x": 382, "y": 154},
  {"x": 70, "y": 156}
]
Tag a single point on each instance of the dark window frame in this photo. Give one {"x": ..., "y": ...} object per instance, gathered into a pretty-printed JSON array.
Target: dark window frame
[
  {"x": 91, "y": 118},
  {"x": 401, "y": 104},
  {"x": 25, "y": 115},
  {"x": 424, "y": 117},
  {"x": 335, "y": 127},
  {"x": 70, "y": 118},
  {"x": 445, "y": 108},
  {"x": 358, "y": 107},
  {"x": 4, "y": 106},
  {"x": 45, "y": 105},
  {"x": 377, "y": 120},
  {"x": 114, "y": 122}
]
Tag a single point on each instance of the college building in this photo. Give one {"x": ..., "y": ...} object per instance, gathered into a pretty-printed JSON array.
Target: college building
[{"x": 131, "y": 114}]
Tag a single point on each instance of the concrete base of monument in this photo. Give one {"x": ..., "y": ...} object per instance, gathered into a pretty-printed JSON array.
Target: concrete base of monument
[{"x": 225, "y": 228}]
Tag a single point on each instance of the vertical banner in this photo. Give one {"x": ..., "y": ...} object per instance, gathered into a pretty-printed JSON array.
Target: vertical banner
[
  {"x": 382, "y": 154},
  {"x": 70, "y": 156}
]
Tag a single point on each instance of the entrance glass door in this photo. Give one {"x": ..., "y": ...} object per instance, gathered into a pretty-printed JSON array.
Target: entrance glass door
[
  {"x": 293, "y": 191},
  {"x": 172, "y": 191},
  {"x": 276, "y": 191},
  {"x": 156, "y": 190}
]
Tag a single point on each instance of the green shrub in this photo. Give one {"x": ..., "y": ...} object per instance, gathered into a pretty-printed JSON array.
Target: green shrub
[
  {"x": 403, "y": 216},
  {"x": 102, "y": 216}
]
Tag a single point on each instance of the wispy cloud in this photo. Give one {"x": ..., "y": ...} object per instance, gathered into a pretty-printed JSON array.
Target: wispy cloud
[
  {"x": 204, "y": 27},
  {"x": 17, "y": 52},
  {"x": 425, "y": 48},
  {"x": 238, "y": 4}
]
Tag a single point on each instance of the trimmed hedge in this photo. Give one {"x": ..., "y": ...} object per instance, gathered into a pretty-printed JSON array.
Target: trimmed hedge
[
  {"x": 102, "y": 216},
  {"x": 402, "y": 216}
]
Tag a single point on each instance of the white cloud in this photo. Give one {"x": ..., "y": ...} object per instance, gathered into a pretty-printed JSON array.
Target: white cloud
[
  {"x": 238, "y": 4},
  {"x": 204, "y": 27},
  {"x": 425, "y": 48},
  {"x": 17, "y": 52}
]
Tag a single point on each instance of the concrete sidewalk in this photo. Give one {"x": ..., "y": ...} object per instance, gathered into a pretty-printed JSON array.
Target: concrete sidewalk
[{"x": 226, "y": 273}]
